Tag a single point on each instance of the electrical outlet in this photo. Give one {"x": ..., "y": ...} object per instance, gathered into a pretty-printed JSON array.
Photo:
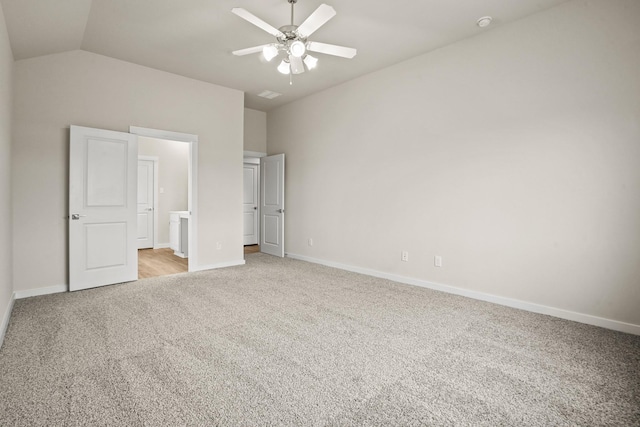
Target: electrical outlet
[
  {"x": 405, "y": 256},
  {"x": 437, "y": 261},
  {"x": 310, "y": 241},
  {"x": 218, "y": 245}
]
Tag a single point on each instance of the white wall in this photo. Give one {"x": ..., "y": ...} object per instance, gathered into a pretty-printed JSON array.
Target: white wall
[
  {"x": 6, "y": 68},
  {"x": 81, "y": 88},
  {"x": 255, "y": 130},
  {"x": 515, "y": 155},
  {"x": 173, "y": 178}
]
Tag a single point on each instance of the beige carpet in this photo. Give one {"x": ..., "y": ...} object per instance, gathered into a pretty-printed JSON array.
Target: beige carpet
[{"x": 284, "y": 342}]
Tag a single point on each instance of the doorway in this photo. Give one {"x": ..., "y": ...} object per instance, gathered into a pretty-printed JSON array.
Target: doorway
[
  {"x": 263, "y": 203},
  {"x": 103, "y": 247},
  {"x": 174, "y": 247},
  {"x": 147, "y": 200},
  {"x": 162, "y": 207},
  {"x": 250, "y": 202}
]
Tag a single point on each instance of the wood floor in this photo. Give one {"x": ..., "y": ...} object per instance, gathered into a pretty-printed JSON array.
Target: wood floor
[
  {"x": 162, "y": 262},
  {"x": 252, "y": 249}
]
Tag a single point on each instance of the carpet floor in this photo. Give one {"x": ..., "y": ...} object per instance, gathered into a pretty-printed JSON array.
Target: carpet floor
[{"x": 285, "y": 342}]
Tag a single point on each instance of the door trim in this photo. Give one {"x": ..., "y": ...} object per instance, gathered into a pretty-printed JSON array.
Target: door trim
[
  {"x": 156, "y": 174},
  {"x": 253, "y": 154},
  {"x": 192, "y": 181}
]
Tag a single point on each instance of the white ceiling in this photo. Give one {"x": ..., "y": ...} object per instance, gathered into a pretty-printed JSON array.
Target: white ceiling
[{"x": 194, "y": 38}]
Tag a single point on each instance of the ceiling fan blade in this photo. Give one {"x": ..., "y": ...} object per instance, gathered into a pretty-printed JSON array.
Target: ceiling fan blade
[
  {"x": 297, "y": 66},
  {"x": 316, "y": 20},
  {"x": 244, "y": 14},
  {"x": 332, "y": 49},
  {"x": 249, "y": 50}
]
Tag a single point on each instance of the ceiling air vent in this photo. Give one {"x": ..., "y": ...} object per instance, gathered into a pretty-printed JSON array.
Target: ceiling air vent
[{"x": 269, "y": 94}]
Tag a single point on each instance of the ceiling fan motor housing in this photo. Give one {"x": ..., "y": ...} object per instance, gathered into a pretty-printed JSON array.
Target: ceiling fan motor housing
[
  {"x": 290, "y": 33},
  {"x": 290, "y": 36}
]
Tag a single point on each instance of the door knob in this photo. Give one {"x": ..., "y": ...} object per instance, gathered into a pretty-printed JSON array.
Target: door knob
[
  {"x": 255, "y": 208},
  {"x": 77, "y": 216},
  {"x": 280, "y": 211},
  {"x": 149, "y": 209}
]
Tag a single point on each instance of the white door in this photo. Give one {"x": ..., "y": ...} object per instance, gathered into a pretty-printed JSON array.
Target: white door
[
  {"x": 250, "y": 204},
  {"x": 145, "y": 204},
  {"x": 272, "y": 205},
  {"x": 102, "y": 208}
]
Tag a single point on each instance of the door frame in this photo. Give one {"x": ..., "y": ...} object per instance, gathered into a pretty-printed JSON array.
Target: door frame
[
  {"x": 192, "y": 191},
  {"x": 156, "y": 174}
]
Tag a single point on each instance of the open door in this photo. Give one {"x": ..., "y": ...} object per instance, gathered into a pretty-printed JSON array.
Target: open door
[
  {"x": 272, "y": 205},
  {"x": 102, "y": 208},
  {"x": 250, "y": 204}
]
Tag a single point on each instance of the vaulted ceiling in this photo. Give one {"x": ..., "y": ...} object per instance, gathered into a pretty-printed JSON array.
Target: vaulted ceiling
[{"x": 195, "y": 38}]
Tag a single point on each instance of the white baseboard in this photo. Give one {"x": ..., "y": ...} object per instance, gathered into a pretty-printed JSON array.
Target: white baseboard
[
  {"x": 509, "y": 302},
  {"x": 214, "y": 266},
  {"x": 161, "y": 246},
  {"x": 4, "y": 323},
  {"x": 41, "y": 291}
]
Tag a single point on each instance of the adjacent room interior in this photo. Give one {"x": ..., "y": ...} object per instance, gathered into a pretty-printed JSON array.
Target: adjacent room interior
[
  {"x": 453, "y": 240},
  {"x": 163, "y": 168}
]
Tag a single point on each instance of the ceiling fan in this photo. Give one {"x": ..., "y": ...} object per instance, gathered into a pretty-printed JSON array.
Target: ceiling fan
[{"x": 291, "y": 40}]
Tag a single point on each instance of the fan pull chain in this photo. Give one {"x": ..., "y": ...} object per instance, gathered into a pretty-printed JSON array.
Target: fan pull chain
[{"x": 290, "y": 79}]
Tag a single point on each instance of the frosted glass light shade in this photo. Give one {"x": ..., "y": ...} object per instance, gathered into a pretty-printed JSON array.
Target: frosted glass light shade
[
  {"x": 297, "y": 49},
  {"x": 270, "y": 52},
  {"x": 310, "y": 61},
  {"x": 284, "y": 67}
]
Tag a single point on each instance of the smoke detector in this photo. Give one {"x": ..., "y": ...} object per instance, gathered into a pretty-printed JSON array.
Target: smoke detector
[{"x": 483, "y": 22}]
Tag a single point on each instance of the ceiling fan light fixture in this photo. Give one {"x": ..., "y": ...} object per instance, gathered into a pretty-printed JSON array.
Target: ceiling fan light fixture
[
  {"x": 270, "y": 52},
  {"x": 292, "y": 42},
  {"x": 284, "y": 67},
  {"x": 310, "y": 61},
  {"x": 297, "y": 49}
]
